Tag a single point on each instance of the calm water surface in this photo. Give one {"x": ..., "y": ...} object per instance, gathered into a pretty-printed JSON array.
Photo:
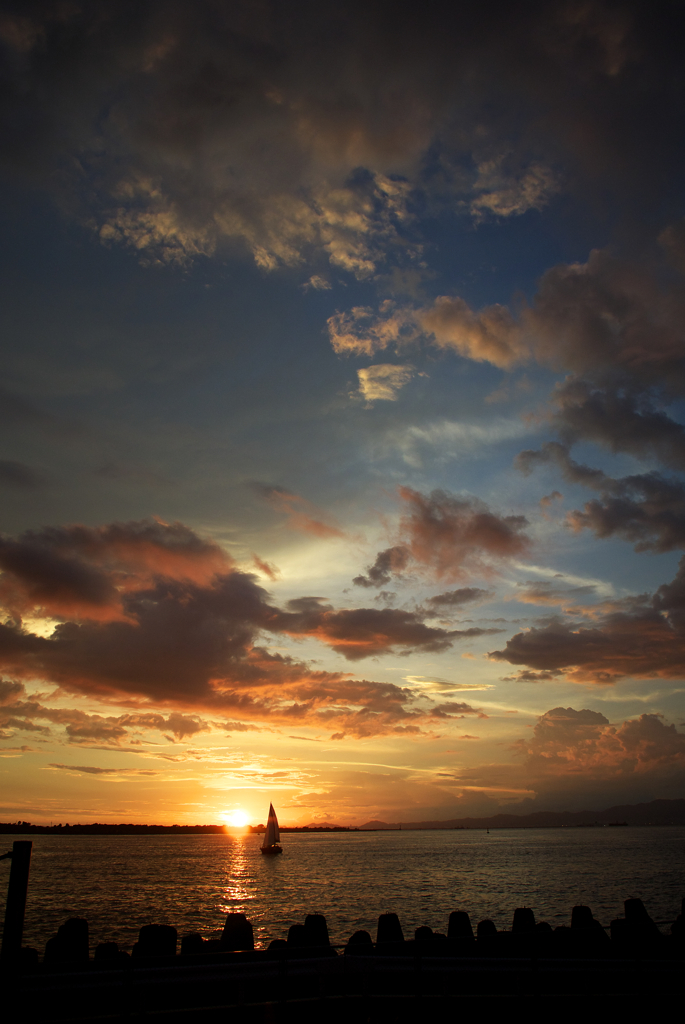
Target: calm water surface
[{"x": 120, "y": 883}]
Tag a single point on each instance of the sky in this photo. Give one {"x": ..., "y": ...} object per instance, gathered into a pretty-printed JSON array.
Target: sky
[{"x": 343, "y": 409}]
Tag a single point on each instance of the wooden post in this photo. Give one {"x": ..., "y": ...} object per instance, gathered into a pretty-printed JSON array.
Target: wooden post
[{"x": 16, "y": 899}]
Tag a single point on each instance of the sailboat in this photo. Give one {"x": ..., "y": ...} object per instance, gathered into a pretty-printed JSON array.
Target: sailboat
[{"x": 272, "y": 836}]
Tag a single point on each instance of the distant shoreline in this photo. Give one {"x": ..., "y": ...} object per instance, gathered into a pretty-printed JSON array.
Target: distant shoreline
[
  {"x": 656, "y": 812},
  {"x": 104, "y": 829},
  {"x": 209, "y": 830}
]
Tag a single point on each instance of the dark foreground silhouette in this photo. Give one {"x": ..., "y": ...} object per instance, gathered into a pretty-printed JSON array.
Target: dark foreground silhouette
[{"x": 633, "y": 966}]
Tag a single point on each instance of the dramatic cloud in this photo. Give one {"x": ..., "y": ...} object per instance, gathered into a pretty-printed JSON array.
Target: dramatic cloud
[
  {"x": 620, "y": 419},
  {"x": 85, "y": 572},
  {"x": 616, "y": 326},
  {"x": 447, "y": 536},
  {"x": 302, "y": 132},
  {"x": 454, "y": 536},
  {"x": 152, "y": 611},
  {"x": 384, "y": 381},
  {"x": 646, "y": 509},
  {"x": 567, "y": 741},
  {"x": 391, "y": 562},
  {"x": 491, "y": 335},
  {"x": 643, "y": 637},
  {"x": 20, "y": 711}
]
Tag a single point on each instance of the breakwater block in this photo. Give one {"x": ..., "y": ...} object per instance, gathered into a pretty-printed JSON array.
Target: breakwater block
[
  {"x": 389, "y": 929},
  {"x": 108, "y": 956},
  {"x": 156, "y": 940},
  {"x": 237, "y": 933},
  {"x": 317, "y": 930},
  {"x": 309, "y": 939},
  {"x": 192, "y": 944},
  {"x": 459, "y": 926},
  {"x": 524, "y": 921},
  {"x": 359, "y": 944},
  {"x": 636, "y": 931},
  {"x": 70, "y": 945}
]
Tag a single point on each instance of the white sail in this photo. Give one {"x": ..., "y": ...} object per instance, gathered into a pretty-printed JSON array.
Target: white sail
[{"x": 272, "y": 834}]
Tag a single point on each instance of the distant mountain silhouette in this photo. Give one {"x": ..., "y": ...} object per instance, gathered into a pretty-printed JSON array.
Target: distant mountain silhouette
[{"x": 656, "y": 812}]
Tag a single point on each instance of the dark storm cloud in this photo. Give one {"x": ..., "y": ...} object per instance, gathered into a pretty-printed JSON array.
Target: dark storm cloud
[
  {"x": 187, "y": 124},
  {"x": 643, "y": 637}
]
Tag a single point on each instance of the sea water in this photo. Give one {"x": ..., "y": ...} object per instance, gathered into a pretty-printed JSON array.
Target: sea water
[{"x": 120, "y": 883}]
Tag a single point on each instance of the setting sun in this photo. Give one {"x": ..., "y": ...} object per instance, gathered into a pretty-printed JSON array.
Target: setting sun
[{"x": 236, "y": 819}]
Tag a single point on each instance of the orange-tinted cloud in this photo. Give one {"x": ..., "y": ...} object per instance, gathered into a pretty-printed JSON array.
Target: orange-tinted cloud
[
  {"x": 162, "y": 617},
  {"x": 454, "y": 537},
  {"x": 268, "y": 568},
  {"x": 302, "y": 514},
  {"x": 642, "y": 637},
  {"x": 363, "y": 632},
  {"x": 449, "y": 537},
  {"x": 84, "y": 572},
  {"x": 566, "y": 741}
]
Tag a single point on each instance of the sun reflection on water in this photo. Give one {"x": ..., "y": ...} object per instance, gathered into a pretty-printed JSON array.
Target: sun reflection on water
[{"x": 236, "y": 891}]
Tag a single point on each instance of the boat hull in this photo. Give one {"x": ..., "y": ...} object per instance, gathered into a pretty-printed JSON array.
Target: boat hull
[{"x": 271, "y": 850}]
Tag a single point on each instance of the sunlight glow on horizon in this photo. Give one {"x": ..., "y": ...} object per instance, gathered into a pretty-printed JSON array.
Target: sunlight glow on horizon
[{"x": 236, "y": 819}]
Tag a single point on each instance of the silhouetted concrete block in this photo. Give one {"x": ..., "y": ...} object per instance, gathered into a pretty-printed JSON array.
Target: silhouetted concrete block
[
  {"x": 588, "y": 938},
  {"x": 277, "y": 946},
  {"x": 237, "y": 933},
  {"x": 581, "y": 917},
  {"x": 389, "y": 929},
  {"x": 192, "y": 944},
  {"x": 108, "y": 956},
  {"x": 486, "y": 930},
  {"x": 524, "y": 921},
  {"x": 486, "y": 939},
  {"x": 70, "y": 945},
  {"x": 156, "y": 940},
  {"x": 459, "y": 926},
  {"x": 638, "y": 919},
  {"x": 636, "y": 932},
  {"x": 317, "y": 930},
  {"x": 297, "y": 936},
  {"x": 359, "y": 944}
]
